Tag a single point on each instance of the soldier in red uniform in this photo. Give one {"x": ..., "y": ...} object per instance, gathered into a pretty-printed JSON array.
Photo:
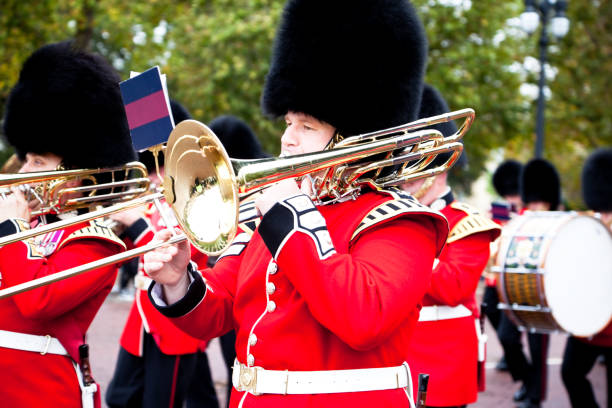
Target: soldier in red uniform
[
  {"x": 65, "y": 110},
  {"x": 581, "y": 353},
  {"x": 323, "y": 296},
  {"x": 448, "y": 342}
]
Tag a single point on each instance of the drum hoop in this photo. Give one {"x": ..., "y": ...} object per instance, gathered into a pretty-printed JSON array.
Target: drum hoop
[{"x": 561, "y": 218}]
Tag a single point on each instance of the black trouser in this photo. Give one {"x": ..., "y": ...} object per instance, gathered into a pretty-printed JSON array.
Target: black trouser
[
  {"x": 228, "y": 347},
  {"x": 156, "y": 379},
  {"x": 533, "y": 374},
  {"x": 201, "y": 392},
  {"x": 490, "y": 299},
  {"x": 127, "y": 271},
  {"x": 578, "y": 359}
]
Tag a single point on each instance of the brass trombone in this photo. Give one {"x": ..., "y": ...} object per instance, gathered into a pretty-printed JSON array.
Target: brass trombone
[{"x": 204, "y": 186}]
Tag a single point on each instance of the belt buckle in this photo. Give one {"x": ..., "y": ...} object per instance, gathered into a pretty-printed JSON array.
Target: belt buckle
[{"x": 247, "y": 380}]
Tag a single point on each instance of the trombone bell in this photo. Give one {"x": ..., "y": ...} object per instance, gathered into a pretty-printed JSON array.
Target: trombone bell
[{"x": 199, "y": 184}]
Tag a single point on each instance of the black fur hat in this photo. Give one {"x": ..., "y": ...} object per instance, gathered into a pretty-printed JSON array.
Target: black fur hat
[
  {"x": 67, "y": 102},
  {"x": 237, "y": 137},
  {"x": 433, "y": 104},
  {"x": 506, "y": 178},
  {"x": 540, "y": 182},
  {"x": 355, "y": 64},
  {"x": 596, "y": 176},
  {"x": 179, "y": 112}
]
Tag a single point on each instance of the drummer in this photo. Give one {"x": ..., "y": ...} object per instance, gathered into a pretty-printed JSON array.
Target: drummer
[
  {"x": 581, "y": 353},
  {"x": 540, "y": 191}
]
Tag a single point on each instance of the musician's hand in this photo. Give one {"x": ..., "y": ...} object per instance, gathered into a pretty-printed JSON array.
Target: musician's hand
[
  {"x": 14, "y": 205},
  {"x": 129, "y": 216},
  {"x": 167, "y": 265},
  {"x": 280, "y": 191}
]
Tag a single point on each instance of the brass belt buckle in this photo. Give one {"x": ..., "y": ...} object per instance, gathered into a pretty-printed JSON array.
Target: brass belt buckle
[{"x": 247, "y": 379}]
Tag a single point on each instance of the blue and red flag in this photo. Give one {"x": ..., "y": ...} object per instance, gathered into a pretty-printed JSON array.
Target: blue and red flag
[{"x": 146, "y": 107}]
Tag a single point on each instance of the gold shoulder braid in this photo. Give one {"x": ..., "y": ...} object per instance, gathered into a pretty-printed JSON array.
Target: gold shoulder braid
[
  {"x": 401, "y": 204},
  {"x": 472, "y": 224},
  {"x": 249, "y": 227},
  {"x": 95, "y": 229}
]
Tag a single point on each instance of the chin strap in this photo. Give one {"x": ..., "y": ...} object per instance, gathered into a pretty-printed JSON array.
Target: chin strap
[{"x": 424, "y": 188}]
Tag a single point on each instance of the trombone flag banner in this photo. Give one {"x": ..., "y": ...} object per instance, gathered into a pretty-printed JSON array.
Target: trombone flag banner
[{"x": 147, "y": 109}]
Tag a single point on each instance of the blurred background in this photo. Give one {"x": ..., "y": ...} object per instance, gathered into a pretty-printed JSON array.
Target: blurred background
[{"x": 215, "y": 54}]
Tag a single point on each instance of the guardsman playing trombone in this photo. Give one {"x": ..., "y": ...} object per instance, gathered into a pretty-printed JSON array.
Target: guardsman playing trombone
[
  {"x": 64, "y": 112},
  {"x": 323, "y": 294}
]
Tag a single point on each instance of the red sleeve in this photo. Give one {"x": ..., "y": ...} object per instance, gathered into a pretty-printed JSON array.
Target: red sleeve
[
  {"x": 57, "y": 298},
  {"x": 363, "y": 296},
  {"x": 461, "y": 263},
  {"x": 213, "y": 316}
]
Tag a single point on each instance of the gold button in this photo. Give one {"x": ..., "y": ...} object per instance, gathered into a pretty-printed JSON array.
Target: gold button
[
  {"x": 252, "y": 339},
  {"x": 270, "y": 288},
  {"x": 271, "y": 306},
  {"x": 272, "y": 268},
  {"x": 250, "y": 360}
]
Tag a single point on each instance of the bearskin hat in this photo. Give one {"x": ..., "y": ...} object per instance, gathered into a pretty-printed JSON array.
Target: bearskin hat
[
  {"x": 433, "y": 104},
  {"x": 237, "y": 137},
  {"x": 179, "y": 112},
  {"x": 506, "y": 178},
  {"x": 67, "y": 102},
  {"x": 540, "y": 182},
  {"x": 596, "y": 176},
  {"x": 355, "y": 64}
]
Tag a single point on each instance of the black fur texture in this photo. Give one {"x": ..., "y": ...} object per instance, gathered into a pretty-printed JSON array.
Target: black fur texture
[
  {"x": 68, "y": 102},
  {"x": 355, "y": 64},
  {"x": 597, "y": 180},
  {"x": 540, "y": 182},
  {"x": 506, "y": 178}
]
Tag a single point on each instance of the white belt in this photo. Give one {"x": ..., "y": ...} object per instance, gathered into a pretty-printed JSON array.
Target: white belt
[
  {"x": 142, "y": 282},
  {"x": 30, "y": 342},
  {"x": 433, "y": 313},
  {"x": 257, "y": 380},
  {"x": 87, "y": 391}
]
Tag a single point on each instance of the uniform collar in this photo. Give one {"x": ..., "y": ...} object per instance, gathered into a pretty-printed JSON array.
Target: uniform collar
[{"x": 445, "y": 199}]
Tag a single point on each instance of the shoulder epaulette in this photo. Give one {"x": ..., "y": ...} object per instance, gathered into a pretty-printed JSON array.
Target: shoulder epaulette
[
  {"x": 401, "y": 204},
  {"x": 473, "y": 223},
  {"x": 94, "y": 230}
]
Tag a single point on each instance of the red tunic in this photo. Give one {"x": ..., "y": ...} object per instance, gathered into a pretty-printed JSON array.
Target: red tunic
[
  {"x": 144, "y": 316},
  {"x": 63, "y": 309},
  {"x": 352, "y": 306},
  {"x": 447, "y": 349}
]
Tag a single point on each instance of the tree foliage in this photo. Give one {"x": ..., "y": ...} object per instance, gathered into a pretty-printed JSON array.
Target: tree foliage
[{"x": 216, "y": 53}]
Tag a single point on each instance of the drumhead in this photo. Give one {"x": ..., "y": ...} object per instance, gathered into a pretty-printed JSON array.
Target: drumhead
[{"x": 578, "y": 276}]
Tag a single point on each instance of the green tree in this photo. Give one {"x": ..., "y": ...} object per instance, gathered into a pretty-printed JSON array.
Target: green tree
[{"x": 216, "y": 53}]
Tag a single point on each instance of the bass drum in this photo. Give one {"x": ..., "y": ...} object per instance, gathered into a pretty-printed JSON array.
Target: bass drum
[{"x": 555, "y": 272}]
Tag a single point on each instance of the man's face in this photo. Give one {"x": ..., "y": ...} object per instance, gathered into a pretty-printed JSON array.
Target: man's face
[
  {"x": 538, "y": 206},
  {"x": 40, "y": 162},
  {"x": 304, "y": 134}
]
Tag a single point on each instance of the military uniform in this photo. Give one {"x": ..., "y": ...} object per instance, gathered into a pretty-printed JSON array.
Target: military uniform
[
  {"x": 42, "y": 329},
  {"x": 314, "y": 290},
  {"x": 63, "y": 96},
  {"x": 448, "y": 343}
]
